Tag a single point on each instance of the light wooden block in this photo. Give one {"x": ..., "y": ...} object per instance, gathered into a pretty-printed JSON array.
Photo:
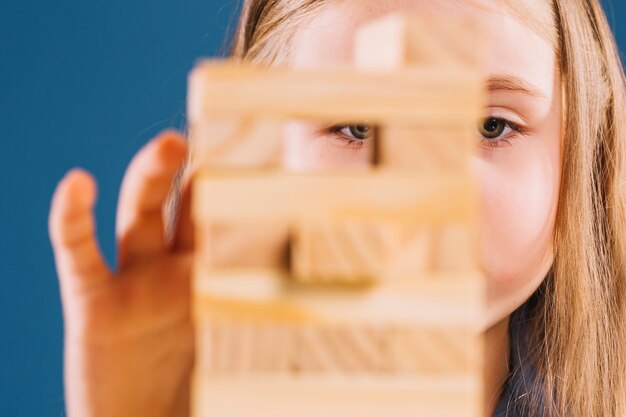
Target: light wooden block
[
  {"x": 252, "y": 244},
  {"x": 448, "y": 300},
  {"x": 426, "y": 151},
  {"x": 348, "y": 251},
  {"x": 252, "y": 347},
  {"x": 319, "y": 395},
  {"x": 455, "y": 248},
  {"x": 353, "y": 251},
  {"x": 240, "y": 348},
  {"x": 277, "y": 196},
  {"x": 402, "y": 40},
  {"x": 424, "y": 96},
  {"x": 236, "y": 143}
]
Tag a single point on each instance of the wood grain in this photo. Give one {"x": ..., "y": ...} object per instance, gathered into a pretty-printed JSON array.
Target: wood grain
[
  {"x": 401, "y": 40},
  {"x": 236, "y": 143},
  {"x": 249, "y": 347},
  {"x": 353, "y": 251},
  {"x": 321, "y": 395},
  {"x": 425, "y": 96},
  {"x": 402, "y": 196},
  {"x": 243, "y": 244},
  {"x": 436, "y": 299}
]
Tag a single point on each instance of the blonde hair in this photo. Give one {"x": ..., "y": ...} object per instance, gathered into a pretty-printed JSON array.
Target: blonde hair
[{"x": 578, "y": 326}]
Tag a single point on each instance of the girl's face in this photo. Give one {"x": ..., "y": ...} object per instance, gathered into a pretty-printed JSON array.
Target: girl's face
[{"x": 518, "y": 171}]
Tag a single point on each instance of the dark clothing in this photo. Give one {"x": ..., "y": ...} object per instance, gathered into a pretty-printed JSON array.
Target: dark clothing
[{"x": 517, "y": 391}]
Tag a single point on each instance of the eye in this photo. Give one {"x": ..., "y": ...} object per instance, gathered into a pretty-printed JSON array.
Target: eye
[
  {"x": 354, "y": 136},
  {"x": 492, "y": 127},
  {"x": 496, "y": 131},
  {"x": 358, "y": 132}
]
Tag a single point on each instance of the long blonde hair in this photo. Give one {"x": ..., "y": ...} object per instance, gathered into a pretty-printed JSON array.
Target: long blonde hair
[{"x": 578, "y": 326}]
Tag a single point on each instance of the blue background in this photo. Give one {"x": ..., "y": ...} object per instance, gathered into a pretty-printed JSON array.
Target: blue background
[{"x": 84, "y": 83}]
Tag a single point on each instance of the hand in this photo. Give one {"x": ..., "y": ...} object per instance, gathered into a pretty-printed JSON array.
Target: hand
[{"x": 128, "y": 334}]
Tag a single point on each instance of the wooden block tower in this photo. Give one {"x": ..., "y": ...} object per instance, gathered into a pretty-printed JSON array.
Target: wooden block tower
[{"x": 340, "y": 292}]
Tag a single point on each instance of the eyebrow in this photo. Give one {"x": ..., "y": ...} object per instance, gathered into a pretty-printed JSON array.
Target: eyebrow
[{"x": 513, "y": 84}]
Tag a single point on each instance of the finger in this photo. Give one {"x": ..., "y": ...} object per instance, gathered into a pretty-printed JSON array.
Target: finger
[
  {"x": 140, "y": 228},
  {"x": 73, "y": 232}
]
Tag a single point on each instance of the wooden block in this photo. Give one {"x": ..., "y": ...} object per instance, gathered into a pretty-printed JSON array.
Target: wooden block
[
  {"x": 411, "y": 258},
  {"x": 322, "y": 395},
  {"x": 243, "y": 244},
  {"x": 455, "y": 248},
  {"x": 403, "y": 40},
  {"x": 426, "y": 151},
  {"x": 425, "y": 96},
  {"x": 335, "y": 350},
  {"x": 310, "y": 355},
  {"x": 236, "y": 143},
  {"x": 353, "y": 251},
  {"x": 356, "y": 349},
  {"x": 434, "y": 300},
  {"x": 234, "y": 347},
  {"x": 275, "y": 196},
  {"x": 348, "y": 251},
  {"x": 248, "y": 347},
  {"x": 435, "y": 351}
]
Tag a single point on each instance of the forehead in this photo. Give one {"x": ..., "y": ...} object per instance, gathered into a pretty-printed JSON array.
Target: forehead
[{"x": 517, "y": 46}]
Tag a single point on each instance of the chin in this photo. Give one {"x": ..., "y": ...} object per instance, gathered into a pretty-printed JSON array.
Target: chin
[{"x": 507, "y": 290}]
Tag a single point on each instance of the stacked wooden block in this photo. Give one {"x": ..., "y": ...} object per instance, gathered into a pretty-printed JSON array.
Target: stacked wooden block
[{"x": 340, "y": 291}]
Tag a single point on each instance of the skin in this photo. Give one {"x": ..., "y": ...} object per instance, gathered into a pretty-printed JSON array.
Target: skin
[
  {"x": 128, "y": 334},
  {"x": 129, "y": 339}
]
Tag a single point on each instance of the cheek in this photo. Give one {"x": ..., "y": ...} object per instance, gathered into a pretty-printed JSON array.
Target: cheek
[{"x": 519, "y": 191}]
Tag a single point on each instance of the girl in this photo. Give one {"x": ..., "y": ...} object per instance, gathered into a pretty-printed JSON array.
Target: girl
[{"x": 550, "y": 160}]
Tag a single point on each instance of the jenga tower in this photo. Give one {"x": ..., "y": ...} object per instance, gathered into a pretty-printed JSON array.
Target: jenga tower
[{"x": 340, "y": 293}]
